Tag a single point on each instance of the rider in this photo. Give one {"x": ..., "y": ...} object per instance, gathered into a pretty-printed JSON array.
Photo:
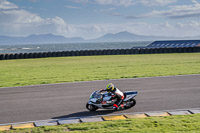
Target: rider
[{"x": 119, "y": 95}]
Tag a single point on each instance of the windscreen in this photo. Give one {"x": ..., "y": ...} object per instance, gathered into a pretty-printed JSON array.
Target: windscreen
[{"x": 95, "y": 95}]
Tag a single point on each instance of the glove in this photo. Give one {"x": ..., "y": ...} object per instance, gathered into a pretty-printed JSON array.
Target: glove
[
  {"x": 113, "y": 95},
  {"x": 98, "y": 91},
  {"x": 101, "y": 90}
]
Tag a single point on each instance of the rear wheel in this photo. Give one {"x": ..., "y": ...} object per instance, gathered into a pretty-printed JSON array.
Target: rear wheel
[
  {"x": 91, "y": 107},
  {"x": 130, "y": 103}
]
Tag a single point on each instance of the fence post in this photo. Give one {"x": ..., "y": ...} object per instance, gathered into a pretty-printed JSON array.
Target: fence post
[
  {"x": 170, "y": 50},
  {"x": 45, "y": 54},
  {"x": 160, "y": 50},
  {"x": 7, "y": 56},
  {"x": 16, "y": 56},
  {"x": 196, "y": 49},
  {"x": 107, "y": 52},
  {"x": 156, "y": 51},
  {"x": 123, "y": 51},
  {"x": 76, "y": 53},
  {"x": 39, "y": 55},
  {"x": 179, "y": 50},
  {"x": 49, "y": 54},
  {"x": 21, "y": 56},
  {"x": 150, "y": 51},
  {"x": 30, "y": 55},
  {"x": 2, "y": 56},
  {"x": 94, "y": 52},
  {"x": 127, "y": 51},
  {"x": 136, "y": 51},
  {"x": 141, "y": 51},
  {"x": 89, "y": 52},
  {"x": 12, "y": 56}
]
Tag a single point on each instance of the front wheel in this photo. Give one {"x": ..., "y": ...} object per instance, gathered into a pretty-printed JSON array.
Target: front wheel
[
  {"x": 130, "y": 103},
  {"x": 91, "y": 107}
]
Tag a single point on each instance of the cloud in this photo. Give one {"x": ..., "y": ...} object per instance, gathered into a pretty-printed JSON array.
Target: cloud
[
  {"x": 80, "y": 1},
  {"x": 16, "y": 21},
  {"x": 11, "y": 14},
  {"x": 157, "y": 2},
  {"x": 72, "y": 7},
  {"x": 176, "y": 12},
  {"x": 178, "y": 29},
  {"x": 107, "y": 10},
  {"x": 32, "y": 0},
  {"x": 4, "y": 4},
  {"x": 127, "y": 3}
]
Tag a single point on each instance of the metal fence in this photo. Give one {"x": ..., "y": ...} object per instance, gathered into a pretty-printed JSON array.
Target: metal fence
[{"x": 99, "y": 52}]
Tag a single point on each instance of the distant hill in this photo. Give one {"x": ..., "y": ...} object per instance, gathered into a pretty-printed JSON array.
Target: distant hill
[
  {"x": 127, "y": 36},
  {"x": 39, "y": 39},
  {"x": 118, "y": 37}
]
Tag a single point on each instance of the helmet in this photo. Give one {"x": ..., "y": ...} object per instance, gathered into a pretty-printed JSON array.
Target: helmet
[{"x": 110, "y": 87}]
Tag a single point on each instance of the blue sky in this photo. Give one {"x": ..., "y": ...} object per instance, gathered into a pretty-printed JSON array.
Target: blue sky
[{"x": 94, "y": 18}]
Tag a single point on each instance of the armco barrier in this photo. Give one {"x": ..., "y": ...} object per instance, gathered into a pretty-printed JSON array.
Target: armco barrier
[{"x": 99, "y": 52}]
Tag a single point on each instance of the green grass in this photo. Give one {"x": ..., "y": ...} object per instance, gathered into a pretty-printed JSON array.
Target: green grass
[
  {"x": 169, "y": 124},
  {"x": 71, "y": 69}
]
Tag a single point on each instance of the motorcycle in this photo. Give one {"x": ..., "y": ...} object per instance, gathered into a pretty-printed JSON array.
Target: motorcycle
[{"x": 100, "y": 100}]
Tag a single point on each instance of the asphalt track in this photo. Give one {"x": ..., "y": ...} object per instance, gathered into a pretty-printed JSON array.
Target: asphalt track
[{"x": 29, "y": 103}]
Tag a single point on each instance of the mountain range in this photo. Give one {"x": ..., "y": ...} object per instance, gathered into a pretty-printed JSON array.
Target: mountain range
[
  {"x": 118, "y": 37},
  {"x": 39, "y": 39},
  {"x": 127, "y": 36}
]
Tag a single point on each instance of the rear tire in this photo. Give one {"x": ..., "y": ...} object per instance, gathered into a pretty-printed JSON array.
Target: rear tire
[
  {"x": 91, "y": 107},
  {"x": 132, "y": 102}
]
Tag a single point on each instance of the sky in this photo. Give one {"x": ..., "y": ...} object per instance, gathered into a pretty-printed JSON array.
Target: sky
[{"x": 91, "y": 19}]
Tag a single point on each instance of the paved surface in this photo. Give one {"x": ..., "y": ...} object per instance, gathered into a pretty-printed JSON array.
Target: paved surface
[{"x": 19, "y": 104}]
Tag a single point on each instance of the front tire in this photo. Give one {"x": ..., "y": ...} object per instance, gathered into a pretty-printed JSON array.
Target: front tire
[{"x": 91, "y": 107}]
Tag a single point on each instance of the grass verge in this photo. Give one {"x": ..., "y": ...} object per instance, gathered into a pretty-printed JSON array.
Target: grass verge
[
  {"x": 182, "y": 123},
  {"x": 71, "y": 69}
]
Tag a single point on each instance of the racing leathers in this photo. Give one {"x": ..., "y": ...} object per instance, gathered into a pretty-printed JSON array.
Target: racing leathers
[{"x": 119, "y": 95}]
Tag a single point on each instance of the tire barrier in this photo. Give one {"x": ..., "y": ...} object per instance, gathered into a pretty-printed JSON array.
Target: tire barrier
[{"x": 99, "y": 52}]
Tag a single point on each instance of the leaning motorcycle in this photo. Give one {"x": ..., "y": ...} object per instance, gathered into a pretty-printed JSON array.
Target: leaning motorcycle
[{"x": 100, "y": 100}]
